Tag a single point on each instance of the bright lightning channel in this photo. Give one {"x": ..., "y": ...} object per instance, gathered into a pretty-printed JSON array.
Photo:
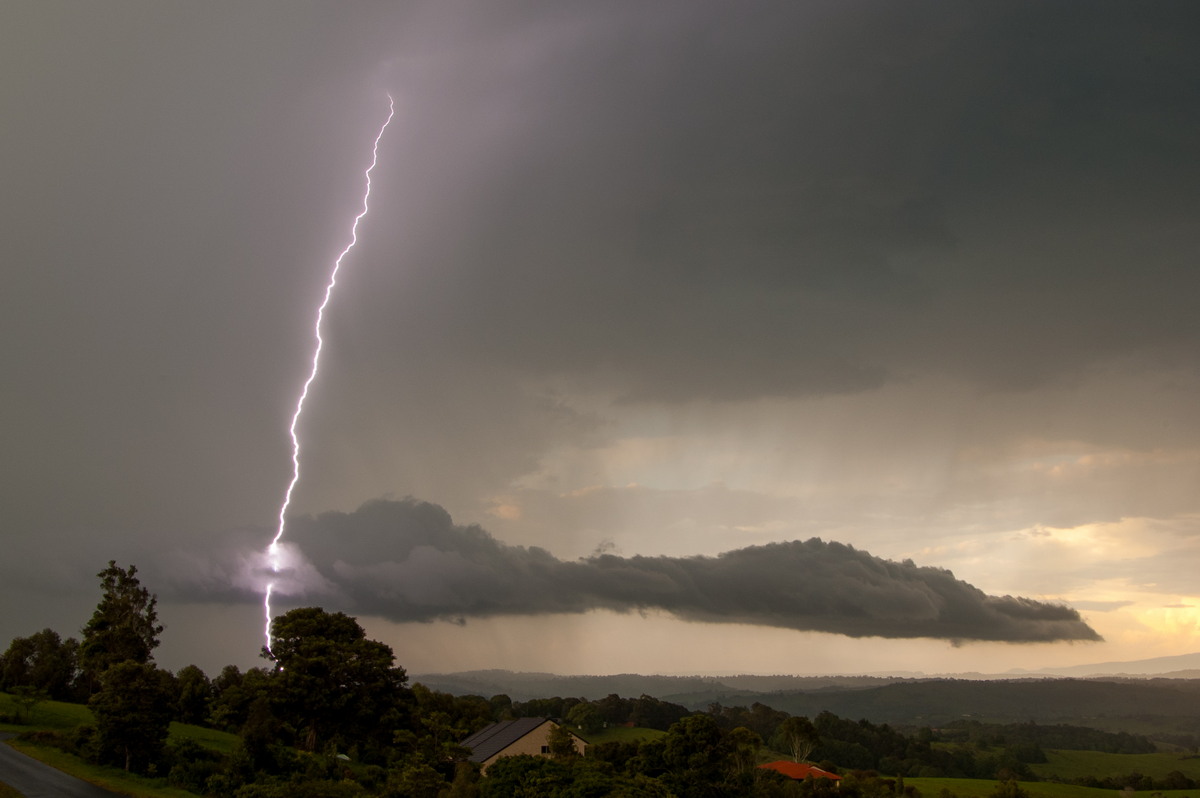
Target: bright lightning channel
[{"x": 273, "y": 550}]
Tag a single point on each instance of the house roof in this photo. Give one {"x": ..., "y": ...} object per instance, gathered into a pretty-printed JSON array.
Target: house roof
[
  {"x": 490, "y": 741},
  {"x": 799, "y": 770}
]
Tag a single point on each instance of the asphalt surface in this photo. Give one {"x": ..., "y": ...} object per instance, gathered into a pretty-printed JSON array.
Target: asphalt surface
[{"x": 34, "y": 780}]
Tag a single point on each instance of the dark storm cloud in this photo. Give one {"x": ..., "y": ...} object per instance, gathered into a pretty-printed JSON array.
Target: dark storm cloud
[
  {"x": 817, "y": 198},
  {"x": 407, "y": 561}
]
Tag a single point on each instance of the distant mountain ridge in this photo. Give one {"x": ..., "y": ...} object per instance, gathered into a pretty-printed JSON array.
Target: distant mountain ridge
[
  {"x": 524, "y": 686},
  {"x": 1167, "y": 707},
  {"x": 1182, "y": 666}
]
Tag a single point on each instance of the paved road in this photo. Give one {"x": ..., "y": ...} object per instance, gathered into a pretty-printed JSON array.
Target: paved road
[{"x": 34, "y": 780}]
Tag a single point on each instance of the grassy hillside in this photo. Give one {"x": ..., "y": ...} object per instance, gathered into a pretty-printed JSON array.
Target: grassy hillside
[
  {"x": 58, "y": 715},
  {"x": 931, "y": 703},
  {"x": 1076, "y": 764},
  {"x": 46, "y": 715},
  {"x": 622, "y": 734}
]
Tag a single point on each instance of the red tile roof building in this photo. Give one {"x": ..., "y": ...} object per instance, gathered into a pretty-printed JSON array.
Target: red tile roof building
[{"x": 799, "y": 770}]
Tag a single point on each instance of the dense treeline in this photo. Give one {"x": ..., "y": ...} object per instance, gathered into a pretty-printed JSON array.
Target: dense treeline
[
  {"x": 940, "y": 702},
  {"x": 1075, "y": 738},
  {"x": 1136, "y": 781},
  {"x": 333, "y": 715}
]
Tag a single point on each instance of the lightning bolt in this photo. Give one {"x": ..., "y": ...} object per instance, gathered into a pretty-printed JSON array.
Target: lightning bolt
[{"x": 273, "y": 550}]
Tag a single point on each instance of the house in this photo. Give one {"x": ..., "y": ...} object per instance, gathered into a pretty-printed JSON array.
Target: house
[
  {"x": 800, "y": 770},
  {"x": 514, "y": 737}
]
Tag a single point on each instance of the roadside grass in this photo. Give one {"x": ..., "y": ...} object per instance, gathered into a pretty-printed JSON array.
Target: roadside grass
[
  {"x": 8, "y": 792},
  {"x": 624, "y": 734},
  {"x": 109, "y": 778},
  {"x": 1076, "y": 764},
  {"x": 59, "y": 716}
]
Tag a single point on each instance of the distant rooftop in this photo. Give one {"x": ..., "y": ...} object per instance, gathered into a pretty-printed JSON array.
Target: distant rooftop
[
  {"x": 799, "y": 770},
  {"x": 492, "y": 740}
]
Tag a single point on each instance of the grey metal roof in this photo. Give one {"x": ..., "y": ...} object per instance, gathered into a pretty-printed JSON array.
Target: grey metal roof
[{"x": 488, "y": 742}]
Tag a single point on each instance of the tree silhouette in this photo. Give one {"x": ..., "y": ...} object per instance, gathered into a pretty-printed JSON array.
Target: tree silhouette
[{"x": 124, "y": 626}]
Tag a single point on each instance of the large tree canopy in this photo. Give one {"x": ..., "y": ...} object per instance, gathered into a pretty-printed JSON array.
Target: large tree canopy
[
  {"x": 124, "y": 626},
  {"x": 332, "y": 683},
  {"x": 43, "y": 661},
  {"x": 133, "y": 711}
]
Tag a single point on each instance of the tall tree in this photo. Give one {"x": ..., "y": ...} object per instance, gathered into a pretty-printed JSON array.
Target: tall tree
[
  {"x": 133, "y": 709},
  {"x": 331, "y": 682},
  {"x": 697, "y": 756},
  {"x": 797, "y": 736},
  {"x": 586, "y": 716},
  {"x": 124, "y": 626},
  {"x": 195, "y": 695}
]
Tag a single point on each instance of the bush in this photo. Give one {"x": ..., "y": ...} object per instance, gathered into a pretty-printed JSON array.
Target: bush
[
  {"x": 191, "y": 766},
  {"x": 303, "y": 789}
]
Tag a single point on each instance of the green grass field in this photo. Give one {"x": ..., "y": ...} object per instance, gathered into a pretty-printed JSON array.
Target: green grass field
[
  {"x": 222, "y": 742},
  {"x": 622, "y": 734},
  {"x": 1075, "y": 764},
  {"x": 8, "y": 792},
  {"x": 46, "y": 715}
]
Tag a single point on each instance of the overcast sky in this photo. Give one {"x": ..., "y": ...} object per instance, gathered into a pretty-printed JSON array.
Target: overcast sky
[{"x": 680, "y": 337}]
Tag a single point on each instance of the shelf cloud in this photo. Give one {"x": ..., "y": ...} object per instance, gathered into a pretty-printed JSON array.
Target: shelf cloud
[{"x": 408, "y": 561}]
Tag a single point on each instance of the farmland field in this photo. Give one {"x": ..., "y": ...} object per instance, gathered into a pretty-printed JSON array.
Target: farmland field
[{"x": 1076, "y": 764}]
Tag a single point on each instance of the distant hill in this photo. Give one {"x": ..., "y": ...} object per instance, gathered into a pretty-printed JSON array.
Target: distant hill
[
  {"x": 1186, "y": 666},
  {"x": 698, "y": 689},
  {"x": 1161, "y": 705},
  {"x": 524, "y": 686},
  {"x": 1097, "y": 703}
]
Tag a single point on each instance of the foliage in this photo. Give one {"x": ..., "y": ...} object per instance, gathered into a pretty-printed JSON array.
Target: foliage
[
  {"x": 27, "y": 698},
  {"x": 696, "y": 755},
  {"x": 191, "y": 765},
  {"x": 332, "y": 683},
  {"x": 42, "y": 661},
  {"x": 343, "y": 698},
  {"x": 233, "y": 694},
  {"x": 133, "y": 715},
  {"x": 124, "y": 626},
  {"x": 644, "y": 711},
  {"x": 561, "y": 743},
  {"x": 797, "y": 736},
  {"x": 416, "y": 779},
  {"x": 744, "y": 746},
  {"x": 446, "y": 719},
  {"x": 195, "y": 694},
  {"x": 1075, "y": 738},
  {"x": 1009, "y": 788},
  {"x": 586, "y": 717}
]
